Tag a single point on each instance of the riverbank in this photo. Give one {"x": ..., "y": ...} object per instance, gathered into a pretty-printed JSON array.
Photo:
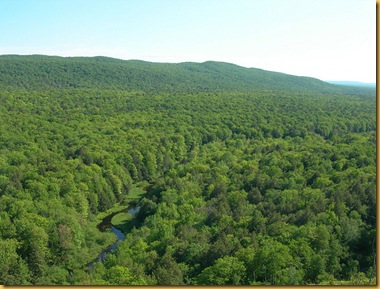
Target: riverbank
[{"x": 118, "y": 220}]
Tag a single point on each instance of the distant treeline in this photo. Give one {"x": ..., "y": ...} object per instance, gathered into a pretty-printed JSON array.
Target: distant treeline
[{"x": 44, "y": 72}]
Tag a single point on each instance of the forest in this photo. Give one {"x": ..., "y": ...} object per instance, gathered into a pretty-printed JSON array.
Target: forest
[{"x": 242, "y": 176}]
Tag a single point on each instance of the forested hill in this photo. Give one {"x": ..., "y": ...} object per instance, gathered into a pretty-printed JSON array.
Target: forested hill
[{"x": 43, "y": 72}]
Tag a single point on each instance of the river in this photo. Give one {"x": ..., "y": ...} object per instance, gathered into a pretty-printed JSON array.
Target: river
[{"x": 106, "y": 224}]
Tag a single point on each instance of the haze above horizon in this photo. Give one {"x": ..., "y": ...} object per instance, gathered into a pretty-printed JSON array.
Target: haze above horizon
[{"x": 325, "y": 39}]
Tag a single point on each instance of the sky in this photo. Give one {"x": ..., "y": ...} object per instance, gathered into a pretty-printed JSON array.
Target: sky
[{"x": 325, "y": 39}]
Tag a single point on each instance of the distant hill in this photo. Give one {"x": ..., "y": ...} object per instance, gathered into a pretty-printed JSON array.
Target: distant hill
[
  {"x": 45, "y": 72},
  {"x": 353, "y": 83}
]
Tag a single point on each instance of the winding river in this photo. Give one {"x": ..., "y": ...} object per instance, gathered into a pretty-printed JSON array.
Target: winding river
[{"x": 106, "y": 224}]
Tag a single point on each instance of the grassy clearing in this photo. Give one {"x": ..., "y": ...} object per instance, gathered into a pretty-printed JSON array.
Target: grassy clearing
[
  {"x": 135, "y": 193},
  {"x": 116, "y": 208},
  {"x": 124, "y": 222},
  {"x": 120, "y": 219}
]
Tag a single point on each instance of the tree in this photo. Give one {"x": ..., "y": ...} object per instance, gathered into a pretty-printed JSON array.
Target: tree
[
  {"x": 272, "y": 261},
  {"x": 13, "y": 269},
  {"x": 226, "y": 271},
  {"x": 118, "y": 275},
  {"x": 35, "y": 248},
  {"x": 168, "y": 272}
]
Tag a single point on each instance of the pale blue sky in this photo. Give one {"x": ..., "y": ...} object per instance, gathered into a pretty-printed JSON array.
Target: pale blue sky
[{"x": 326, "y": 39}]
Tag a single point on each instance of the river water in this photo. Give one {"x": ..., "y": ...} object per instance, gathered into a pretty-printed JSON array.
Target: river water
[{"x": 103, "y": 226}]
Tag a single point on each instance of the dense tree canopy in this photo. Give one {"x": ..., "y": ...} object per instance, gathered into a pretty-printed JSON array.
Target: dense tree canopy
[{"x": 274, "y": 185}]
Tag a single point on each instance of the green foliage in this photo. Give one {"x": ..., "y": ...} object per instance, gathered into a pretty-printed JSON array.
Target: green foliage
[
  {"x": 245, "y": 176},
  {"x": 13, "y": 269},
  {"x": 226, "y": 271}
]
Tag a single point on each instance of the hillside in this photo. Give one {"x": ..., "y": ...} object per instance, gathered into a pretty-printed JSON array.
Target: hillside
[{"x": 42, "y": 72}]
